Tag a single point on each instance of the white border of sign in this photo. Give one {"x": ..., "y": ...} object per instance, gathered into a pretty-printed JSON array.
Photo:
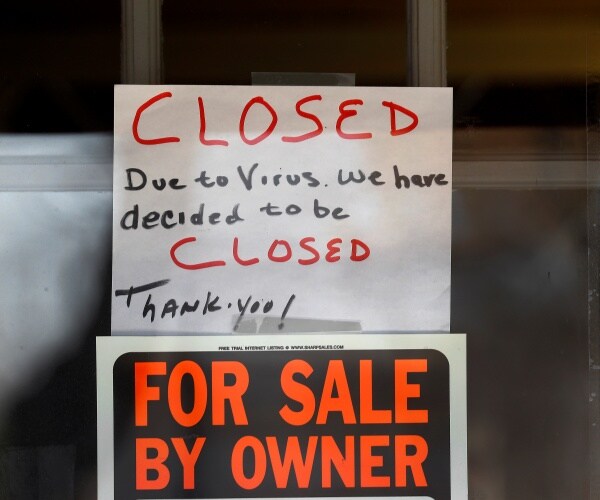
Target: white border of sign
[{"x": 453, "y": 346}]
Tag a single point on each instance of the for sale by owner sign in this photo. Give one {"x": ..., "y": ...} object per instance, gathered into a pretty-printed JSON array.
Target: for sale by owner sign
[{"x": 282, "y": 417}]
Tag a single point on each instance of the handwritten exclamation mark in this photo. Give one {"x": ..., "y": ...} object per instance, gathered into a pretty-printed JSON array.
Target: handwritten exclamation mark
[{"x": 285, "y": 310}]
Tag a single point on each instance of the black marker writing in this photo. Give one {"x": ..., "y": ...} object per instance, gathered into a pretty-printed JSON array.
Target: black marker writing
[
  {"x": 286, "y": 310},
  {"x": 247, "y": 178},
  {"x": 139, "y": 289}
]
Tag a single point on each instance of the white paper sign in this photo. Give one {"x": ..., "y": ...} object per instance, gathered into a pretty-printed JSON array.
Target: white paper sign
[{"x": 289, "y": 202}]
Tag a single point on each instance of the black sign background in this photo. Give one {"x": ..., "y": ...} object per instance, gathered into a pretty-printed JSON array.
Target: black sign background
[{"x": 263, "y": 400}]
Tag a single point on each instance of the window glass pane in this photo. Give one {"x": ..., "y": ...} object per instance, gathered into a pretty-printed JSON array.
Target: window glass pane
[
  {"x": 519, "y": 285},
  {"x": 519, "y": 63},
  {"x": 520, "y": 252},
  {"x": 59, "y": 62},
  {"x": 224, "y": 42},
  {"x": 519, "y": 70}
]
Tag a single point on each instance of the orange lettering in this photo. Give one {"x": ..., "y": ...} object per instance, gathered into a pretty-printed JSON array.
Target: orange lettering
[
  {"x": 415, "y": 461},
  {"x": 143, "y": 464},
  {"x": 188, "y": 459},
  {"x": 298, "y": 392},
  {"x": 367, "y": 414},
  {"x": 237, "y": 463},
  {"x": 344, "y": 464},
  {"x": 404, "y": 391},
  {"x": 368, "y": 462},
  {"x": 292, "y": 457},
  {"x": 143, "y": 393},
  {"x": 200, "y": 393},
  {"x": 335, "y": 378},
  {"x": 233, "y": 393}
]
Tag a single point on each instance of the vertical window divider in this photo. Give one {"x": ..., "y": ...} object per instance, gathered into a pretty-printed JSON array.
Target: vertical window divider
[
  {"x": 426, "y": 21},
  {"x": 141, "y": 42}
]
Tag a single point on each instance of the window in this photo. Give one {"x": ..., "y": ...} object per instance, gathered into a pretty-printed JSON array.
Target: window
[{"x": 525, "y": 236}]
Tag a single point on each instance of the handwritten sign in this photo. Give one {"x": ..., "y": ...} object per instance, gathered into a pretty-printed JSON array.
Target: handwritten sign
[
  {"x": 282, "y": 416},
  {"x": 289, "y": 202}
]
